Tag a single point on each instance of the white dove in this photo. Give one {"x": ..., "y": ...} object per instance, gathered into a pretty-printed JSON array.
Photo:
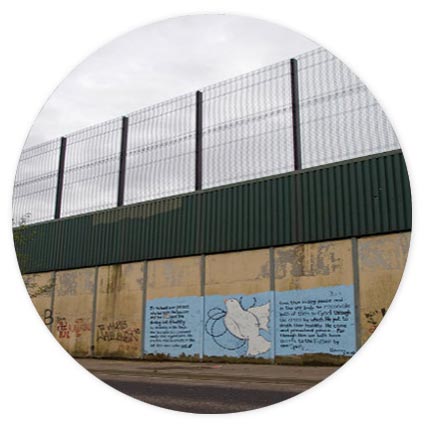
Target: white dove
[{"x": 246, "y": 325}]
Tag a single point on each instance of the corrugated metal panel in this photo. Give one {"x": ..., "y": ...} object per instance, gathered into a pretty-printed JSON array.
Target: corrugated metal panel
[{"x": 354, "y": 198}]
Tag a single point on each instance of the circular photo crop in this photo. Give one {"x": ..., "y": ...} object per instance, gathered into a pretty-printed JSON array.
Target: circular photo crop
[{"x": 212, "y": 214}]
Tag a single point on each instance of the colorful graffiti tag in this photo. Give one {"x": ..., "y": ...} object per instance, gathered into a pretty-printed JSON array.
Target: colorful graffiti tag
[{"x": 67, "y": 329}]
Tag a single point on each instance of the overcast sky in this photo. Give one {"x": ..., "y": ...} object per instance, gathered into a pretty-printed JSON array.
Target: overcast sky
[{"x": 160, "y": 61}]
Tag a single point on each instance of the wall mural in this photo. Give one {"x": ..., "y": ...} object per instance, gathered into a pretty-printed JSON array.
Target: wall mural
[
  {"x": 238, "y": 325},
  {"x": 173, "y": 326},
  {"x": 319, "y": 320}
]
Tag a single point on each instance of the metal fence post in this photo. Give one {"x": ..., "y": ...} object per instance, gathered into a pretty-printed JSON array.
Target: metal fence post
[
  {"x": 296, "y": 115},
  {"x": 59, "y": 186},
  {"x": 123, "y": 158},
  {"x": 198, "y": 165}
]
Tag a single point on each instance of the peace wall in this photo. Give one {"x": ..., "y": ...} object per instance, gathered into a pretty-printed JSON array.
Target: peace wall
[{"x": 312, "y": 303}]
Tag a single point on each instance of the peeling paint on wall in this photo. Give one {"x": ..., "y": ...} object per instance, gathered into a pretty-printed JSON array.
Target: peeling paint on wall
[{"x": 313, "y": 265}]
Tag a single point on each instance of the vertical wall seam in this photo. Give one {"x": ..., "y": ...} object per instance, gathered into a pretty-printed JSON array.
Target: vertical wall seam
[
  {"x": 94, "y": 311},
  {"x": 356, "y": 283},
  {"x": 143, "y": 312},
  {"x": 272, "y": 274},
  {"x": 202, "y": 273},
  {"x": 52, "y": 300}
]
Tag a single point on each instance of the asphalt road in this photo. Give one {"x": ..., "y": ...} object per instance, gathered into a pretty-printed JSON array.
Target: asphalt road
[
  {"x": 198, "y": 387},
  {"x": 198, "y": 397}
]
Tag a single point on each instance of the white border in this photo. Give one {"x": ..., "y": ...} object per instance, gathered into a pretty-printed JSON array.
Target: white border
[{"x": 380, "y": 40}]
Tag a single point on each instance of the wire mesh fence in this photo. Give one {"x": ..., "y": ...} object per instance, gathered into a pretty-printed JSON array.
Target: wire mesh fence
[
  {"x": 161, "y": 150},
  {"x": 91, "y": 168},
  {"x": 247, "y": 126},
  {"x": 339, "y": 117},
  {"x": 34, "y": 191},
  {"x": 243, "y": 128}
]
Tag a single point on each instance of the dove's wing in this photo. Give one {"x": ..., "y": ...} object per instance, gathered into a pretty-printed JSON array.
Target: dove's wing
[{"x": 262, "y": 313}]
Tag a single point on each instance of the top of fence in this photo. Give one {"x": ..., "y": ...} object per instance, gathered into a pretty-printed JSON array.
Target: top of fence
[{"x": 247, "y": 132}]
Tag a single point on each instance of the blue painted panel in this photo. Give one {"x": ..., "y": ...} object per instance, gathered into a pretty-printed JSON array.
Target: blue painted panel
[
  {"x": 238, "y": 325},
  {"x": 319, "y": 320},
  {"x": 173, "y": 326}
]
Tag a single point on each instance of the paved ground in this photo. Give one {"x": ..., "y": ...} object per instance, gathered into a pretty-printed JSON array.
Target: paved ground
[{"x": 206, "y": 387}]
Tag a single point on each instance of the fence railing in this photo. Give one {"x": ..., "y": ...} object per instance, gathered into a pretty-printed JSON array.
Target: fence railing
[{"x": 299, "y": 113}]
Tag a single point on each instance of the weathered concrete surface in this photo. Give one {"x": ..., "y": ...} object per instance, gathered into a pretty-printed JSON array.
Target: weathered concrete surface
[
  {"x": 40, "y": 289},
  {"x": 119, "y": 310},
  {"x": 246, "y": 272},
  {"x": 173, "y": 308},
  {"x": 176, "y": 277},
  {"x": 308, "y": 266},
  {"x": 173, "y": 293},
  {"x": 206, "y": 388},
  {"x": 73, "y": 310},
  {"x": 381, "y": 264}
]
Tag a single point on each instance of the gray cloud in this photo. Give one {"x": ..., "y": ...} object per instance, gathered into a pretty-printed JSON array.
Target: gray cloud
[{"x": 160, "y": 61}]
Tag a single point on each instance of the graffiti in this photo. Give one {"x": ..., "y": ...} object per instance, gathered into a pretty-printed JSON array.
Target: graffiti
[
  {"x": 117, "y": 331},
  {"x": 319, "y": 320},
  {"x": 48, "y": 316},
  {"x": 173, "y": 326},
  {"x": 244, "y": 324},
  {"x": 373, "y": 318},
  {"x": 67, "y": 329}
]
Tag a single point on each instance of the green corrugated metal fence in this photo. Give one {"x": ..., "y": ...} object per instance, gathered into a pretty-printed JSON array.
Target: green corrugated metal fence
[{"x": 361, "y": 197}]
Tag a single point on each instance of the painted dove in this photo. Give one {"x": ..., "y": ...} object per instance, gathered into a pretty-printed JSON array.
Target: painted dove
[{"x": 246, "y": 325}]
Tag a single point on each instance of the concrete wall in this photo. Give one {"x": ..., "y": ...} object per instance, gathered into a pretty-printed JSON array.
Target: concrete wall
[
  {"x": 119, "y": 311},
  {"x": 316, "y": 265},
  {"x": 309, "y": 303},
  {"x": 315, "y": 302},
  {"x": 40, "y": 287},
  {"x": 238, "y": 305},
  {"x": 174, "y": 308},
  {"x": 381, "y": 265},
  {"x": 73, "y": 310}
]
